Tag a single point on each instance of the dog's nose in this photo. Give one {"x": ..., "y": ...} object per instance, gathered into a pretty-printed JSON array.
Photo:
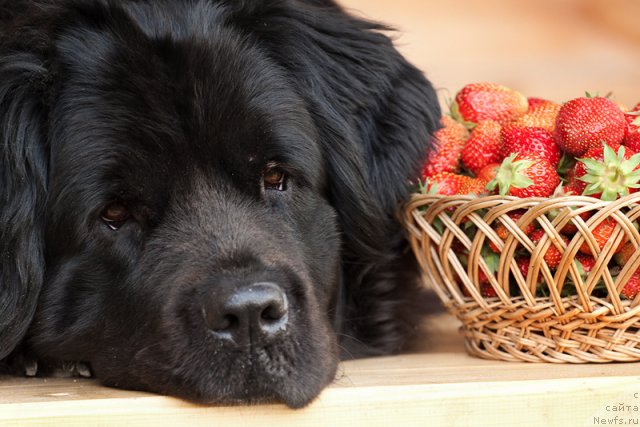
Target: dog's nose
[{"x": 253, "y": 314}]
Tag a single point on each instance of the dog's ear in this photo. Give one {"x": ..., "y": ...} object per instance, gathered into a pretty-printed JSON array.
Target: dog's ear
[
  {"x": 23, "y": 182},
  {"x": 375, "y": 114}
]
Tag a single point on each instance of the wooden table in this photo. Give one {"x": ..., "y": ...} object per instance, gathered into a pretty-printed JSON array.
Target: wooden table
[{"x": 437, "y": 385}]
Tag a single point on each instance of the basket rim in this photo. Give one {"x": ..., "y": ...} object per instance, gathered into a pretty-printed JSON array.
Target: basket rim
[{"x": 418, "y": 232}]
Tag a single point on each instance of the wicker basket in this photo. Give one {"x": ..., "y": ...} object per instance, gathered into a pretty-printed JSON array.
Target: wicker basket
[{"x": 559, "y": 315}]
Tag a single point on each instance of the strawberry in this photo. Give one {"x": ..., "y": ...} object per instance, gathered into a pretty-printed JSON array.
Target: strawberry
[
  {"x": 523, "y": 264},
  {"x": 602, "y": 233},
  {"x": 503, "y": 232},
  {"x": 450, "y": 184},
  {"x": 632, "y": 139},
  {"x": 632, "y": 287},
  {"x": 534, "y": 102},
  {"x": 488, "y": 101},
  {"x": 472, "y": 186},
  {"x": 486, "y": 290},
  {"x": 482, "y": 147},
  {"x": 573, "y": 187},
  {"x": 525, "y": 175},
  {"x": 446, "y": 183},
  {"x": 488, "y": 172},
  {"x": 624, "y": 255},
  {"x": 541, "y": 114},
  {"x": 570, "y": 228},
  {"x": 450, "y": 141},
  {"x": 584, "y": 123},
  {"x": 586, "y": 262},
  {"x": 485, "y": 287},
  {"x": 608, "y": 174},
  {"x": 530, "y": 140},
  {"x": 553, "y": 255}
]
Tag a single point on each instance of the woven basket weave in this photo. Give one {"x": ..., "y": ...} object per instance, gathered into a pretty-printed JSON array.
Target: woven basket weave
[{"x": 555, "y": 315}]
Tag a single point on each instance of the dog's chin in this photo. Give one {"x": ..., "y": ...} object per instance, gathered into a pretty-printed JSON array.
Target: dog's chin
[
  {"x": 255, "y": 376},
  {"x": 296, "y": 390},
  {"x": 294, "y": 394}
]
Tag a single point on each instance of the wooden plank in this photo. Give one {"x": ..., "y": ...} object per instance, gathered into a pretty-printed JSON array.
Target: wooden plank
[
  {"x": 439, "y": 385},
  {"x": 576, "y": 401}
]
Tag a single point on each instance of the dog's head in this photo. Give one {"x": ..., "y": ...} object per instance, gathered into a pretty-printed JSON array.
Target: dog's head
[{"x": 198, "y": 197}]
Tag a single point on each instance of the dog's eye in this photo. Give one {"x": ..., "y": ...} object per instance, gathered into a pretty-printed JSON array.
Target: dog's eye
[
  {"x": 115, "y": 215},
  {"x": 274, "y": 178}
]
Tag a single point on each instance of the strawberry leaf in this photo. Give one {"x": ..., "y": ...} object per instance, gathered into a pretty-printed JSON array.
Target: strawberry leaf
[
  {"x": 521, "y": 181},
  {"x": 633, "y": 177},
  {"x": 491, "y": 258},
  {"x": 454, "y": 111},
  {"x": 580, "y": 269},
  {"x": 592, "y": 179},
  {"x": 491, "y": 185},
  {"x": 592, "y": 188},
  {"x": 610, "y": 195},
  {"x": 438, "y": 225},
  {"x": 628, "y": 166},
  {"x": 591, "y": 164},
  {"x": 610, "y": 155},
  {"x": 566, "y": 162}
]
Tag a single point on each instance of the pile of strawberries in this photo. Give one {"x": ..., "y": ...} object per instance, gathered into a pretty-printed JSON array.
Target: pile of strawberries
[{"x": 497, "y": 141}]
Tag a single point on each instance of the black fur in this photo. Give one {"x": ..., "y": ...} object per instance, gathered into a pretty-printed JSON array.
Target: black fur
[{"x": 173, "y": 108}]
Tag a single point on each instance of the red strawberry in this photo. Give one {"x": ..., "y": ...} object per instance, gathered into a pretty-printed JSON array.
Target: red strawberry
[
  {"x": 632, "y": 287},
  {"x": 482, "y": 147},
  {"x": 553, "y": 255},
  {"x": 624, "y": 255},
  {"x": 523, "y": 264},
  {"x": 530, "y": 140},
  {"x": 477, "y": 102},
  {"x": 542, "y": 114},
  {"x": 602, "y": 233},
  {"x": 584, "y": 123},
  {"x": 570, "y": 228},
  {"x": 587, "y": 262},
  {"x": 632, "y": 139},
  {"x": 472, "y": 186},
  {"x": 525, "y": 175},
  {"x": 608, "y": 174},
  {"x": 450, "y": 140},
  {"x": 573, "y": 187},
  {"x": 486, "y": 290},
  {"x": 445, "y": 183},
  {"x": 488, "y": 172},
  {"x": 535, "y": 102},
  {"x": 503, "y": 232}
]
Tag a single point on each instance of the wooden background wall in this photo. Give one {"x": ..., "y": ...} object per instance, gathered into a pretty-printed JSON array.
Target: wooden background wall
[{"x": 549, "y": 48}]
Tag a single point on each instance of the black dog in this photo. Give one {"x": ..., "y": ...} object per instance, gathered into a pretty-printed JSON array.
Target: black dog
[{"x": 198, "y": 197}]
